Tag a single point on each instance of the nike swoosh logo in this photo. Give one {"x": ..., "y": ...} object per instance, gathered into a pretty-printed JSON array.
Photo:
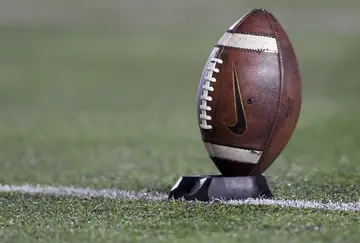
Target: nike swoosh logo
[{"x": 240, "y": 125}]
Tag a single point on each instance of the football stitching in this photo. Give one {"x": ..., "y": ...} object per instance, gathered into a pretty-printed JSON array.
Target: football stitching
[
  {"x": 257, "y": 51},
  {"x": 267, "y": 144},
  {"x": 206, "y": 88},
  {"x": 261, "y": 34}
]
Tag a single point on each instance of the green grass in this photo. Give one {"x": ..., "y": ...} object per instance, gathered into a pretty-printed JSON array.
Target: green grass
[
  {"x": 73, "y": 220},
  {"x": 92, "y": 96}
]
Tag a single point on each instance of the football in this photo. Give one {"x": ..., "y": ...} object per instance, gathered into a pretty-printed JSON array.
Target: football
[{"x": 249, "y": 95}]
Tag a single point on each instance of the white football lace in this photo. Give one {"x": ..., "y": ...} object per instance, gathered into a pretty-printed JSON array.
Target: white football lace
[{"x": 205, "y": 97}]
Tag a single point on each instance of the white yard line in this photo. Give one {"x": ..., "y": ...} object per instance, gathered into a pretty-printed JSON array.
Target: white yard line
[
  {"x": 337, "y": 206},
  {"x": 82, "y": 192},
  {"x": 155, "y": 196}
]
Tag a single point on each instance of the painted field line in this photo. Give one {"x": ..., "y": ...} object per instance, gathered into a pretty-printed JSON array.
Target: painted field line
[
  {"x": 333, "y": 206},
  {"x": 79, "y": 192},
  {"x": 156, "y": 196}
]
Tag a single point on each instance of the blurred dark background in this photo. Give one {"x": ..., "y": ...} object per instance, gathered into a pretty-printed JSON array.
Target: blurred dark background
[{"x": 103, "y": 93}]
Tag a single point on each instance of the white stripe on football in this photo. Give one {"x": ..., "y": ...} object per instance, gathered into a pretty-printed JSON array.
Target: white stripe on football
[
  {"x": 249, "y": 42},
  {"x": 233, "y": 154}
]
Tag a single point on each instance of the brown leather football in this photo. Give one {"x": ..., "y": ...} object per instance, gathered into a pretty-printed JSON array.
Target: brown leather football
[{"x": 249, "y": 95}]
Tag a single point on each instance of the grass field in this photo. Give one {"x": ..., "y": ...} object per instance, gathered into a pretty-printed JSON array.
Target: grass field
[{"x": 102, "y": 94}]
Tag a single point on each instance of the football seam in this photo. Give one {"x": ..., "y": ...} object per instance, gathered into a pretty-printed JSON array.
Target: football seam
[
  {"x": 267, "y": 144},
  {"x": 258, "y": 51},
  {"x": 252, "y": 33}
]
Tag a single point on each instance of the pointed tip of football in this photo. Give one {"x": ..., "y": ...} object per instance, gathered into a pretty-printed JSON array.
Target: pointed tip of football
[{"x": 257, "y": 21}]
